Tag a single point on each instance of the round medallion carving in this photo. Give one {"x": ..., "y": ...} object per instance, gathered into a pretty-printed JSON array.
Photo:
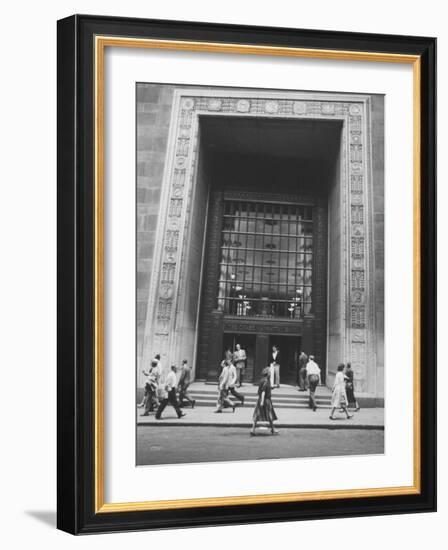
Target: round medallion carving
[
  {"x": 299, "y": 107},
  {"x": 188, "y": 103},
  {"x": 271, "y": 107},
  {"x": 243, "y": 106},
  {"x": 180, "y": 162},
  {"x": 355, "y": 109}
]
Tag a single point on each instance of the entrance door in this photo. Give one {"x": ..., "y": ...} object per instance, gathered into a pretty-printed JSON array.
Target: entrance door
[
  {"x": 247, "y": 342},
  {"x": 289, "y": 350}
]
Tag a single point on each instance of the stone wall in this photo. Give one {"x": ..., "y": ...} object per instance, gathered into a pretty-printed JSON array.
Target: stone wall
[{"x": 154, "y": 104}]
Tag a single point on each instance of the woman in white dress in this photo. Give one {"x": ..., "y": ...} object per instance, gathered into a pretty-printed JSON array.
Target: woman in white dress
[{"x": 339, "y": 397}]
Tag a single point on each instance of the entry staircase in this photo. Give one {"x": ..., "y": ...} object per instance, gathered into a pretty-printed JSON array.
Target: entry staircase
[{"x": 285, "y": 397}]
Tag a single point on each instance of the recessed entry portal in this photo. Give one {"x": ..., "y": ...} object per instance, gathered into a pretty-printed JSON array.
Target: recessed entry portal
[
  {"x": 269, "y": 223},
  {"x": 265, "y": 265}
]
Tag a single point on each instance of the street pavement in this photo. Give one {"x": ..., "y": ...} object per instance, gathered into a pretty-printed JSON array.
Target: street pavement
[
  {"x": 176, "y": 445},
  {"x": 242, "y": 417}
]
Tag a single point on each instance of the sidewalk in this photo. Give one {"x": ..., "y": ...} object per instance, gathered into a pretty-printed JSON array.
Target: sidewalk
[{"x": 366, "y": 419}]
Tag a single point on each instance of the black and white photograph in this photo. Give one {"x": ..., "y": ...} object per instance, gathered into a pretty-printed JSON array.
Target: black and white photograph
[{"x": 259, "y": 274}]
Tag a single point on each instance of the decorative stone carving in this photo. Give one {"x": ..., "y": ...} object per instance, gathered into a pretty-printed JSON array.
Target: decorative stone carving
[
  {"x": 358, "y": 279},
  {"x": 166, "y": 291},
  {"x": 328, "y": 108},
  {"x": 182, "y": 147},
  {"x": 299, "y": 107},
  {"x": 271, "y": 107},
  {"x": 358, "y": 316},
  {"x": 355, "y": 153},
  {"x": 180, "y": 162},
  {"x": 359, "y": 336},
  {"x": 357, "y": 297},
  {"x": 356, "y": 181},
  {"x": 357, "y": 212},
  {"x": 175, "y": 208},
  {"x": 188, "y": 103},
  {"x": 357, "y": 247},
  {"x": 214, "y": 104},
  {"x": 243, "y": 106},
  {"x": 354, "y": 109},
  {"x": 358, "y": 230},
  {"x": 356, "y": 198}
]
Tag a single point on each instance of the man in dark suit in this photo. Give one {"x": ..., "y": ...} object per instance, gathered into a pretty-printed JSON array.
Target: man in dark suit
[{"x": 275, "y": 367}]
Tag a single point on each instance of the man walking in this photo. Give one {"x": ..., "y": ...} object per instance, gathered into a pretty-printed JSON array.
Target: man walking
[
  {"x": 313, "y": 376},
  {"x": 170, "y": 396},
  {"x": 302, "y": 380},
  {"x": 223, "y": 388},
  {"x": 233, "y": 378},
  {"x": 184, "y": 382},
  {"x": 150, "y": 400}
]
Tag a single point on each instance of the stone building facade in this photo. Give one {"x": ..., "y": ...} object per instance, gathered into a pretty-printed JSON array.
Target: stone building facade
[{"x": 199, "y": 149}]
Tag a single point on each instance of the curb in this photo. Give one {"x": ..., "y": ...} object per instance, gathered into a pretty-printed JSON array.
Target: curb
[{"x": 327, "y": 426}]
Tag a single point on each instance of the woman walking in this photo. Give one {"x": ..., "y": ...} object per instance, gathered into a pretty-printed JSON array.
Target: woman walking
[
  {"x": 339, "y": 397},
  {"x": 349, "y": 388},
  {"x": 264, "y": 410}
]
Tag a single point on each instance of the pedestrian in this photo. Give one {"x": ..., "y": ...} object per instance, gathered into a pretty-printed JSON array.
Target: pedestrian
[
  {"x": 339, "y": 397},
  {"x": 275, "y": 367},
  {"x": 233, "y": 379},
  {"x": 223, "y": 388},
  {"x": 264, "y": 409},
  {"x": 228, "y": 357},
  {"x": 313, "y": 379},
  {"x": 349, "y": 388},
  {"x": 301, "y": 371},
  {"x": 170, "y": 395},
  {"x": 154, "y": 373},
  {"x": 239, "y": 359},
  {"x": 150, "y": 398},
  {"x": 184, "y": 383}
]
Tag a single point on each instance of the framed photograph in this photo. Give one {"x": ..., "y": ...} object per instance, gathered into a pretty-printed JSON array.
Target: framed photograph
[{"x": 246, "y": 274}]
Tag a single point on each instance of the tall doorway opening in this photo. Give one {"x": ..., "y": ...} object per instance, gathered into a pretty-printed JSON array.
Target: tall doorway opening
[{"x": 265, "y": 264}]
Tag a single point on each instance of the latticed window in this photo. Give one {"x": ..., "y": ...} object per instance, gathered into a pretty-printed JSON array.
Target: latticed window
[{"x": 266, "y": 264}]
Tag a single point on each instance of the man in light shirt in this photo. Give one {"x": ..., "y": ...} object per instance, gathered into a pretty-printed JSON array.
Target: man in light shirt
[
  {"x": 150, "y": 399},
  {"x": 223, "y": 388},
  {"x": 313, "y": 377},
  {"x": 170, "y": 396}
]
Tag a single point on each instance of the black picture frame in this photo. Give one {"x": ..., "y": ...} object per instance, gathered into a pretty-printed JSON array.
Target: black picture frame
[{"x": 76, "y": 256}]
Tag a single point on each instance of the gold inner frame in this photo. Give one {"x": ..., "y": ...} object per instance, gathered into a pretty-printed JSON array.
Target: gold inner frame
[{"x": 101, "y": 42}]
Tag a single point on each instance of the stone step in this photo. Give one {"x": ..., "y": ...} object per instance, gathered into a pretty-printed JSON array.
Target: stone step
[
  {"x": 212, "y": 403},
  {"x": 252, "y": 398}
]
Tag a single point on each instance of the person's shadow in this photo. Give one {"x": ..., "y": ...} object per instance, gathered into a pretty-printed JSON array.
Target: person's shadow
[{"x": 44, "y": 516}]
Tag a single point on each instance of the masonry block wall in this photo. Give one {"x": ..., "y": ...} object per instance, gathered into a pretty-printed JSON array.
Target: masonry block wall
[{"x": 154, "y": 103}]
